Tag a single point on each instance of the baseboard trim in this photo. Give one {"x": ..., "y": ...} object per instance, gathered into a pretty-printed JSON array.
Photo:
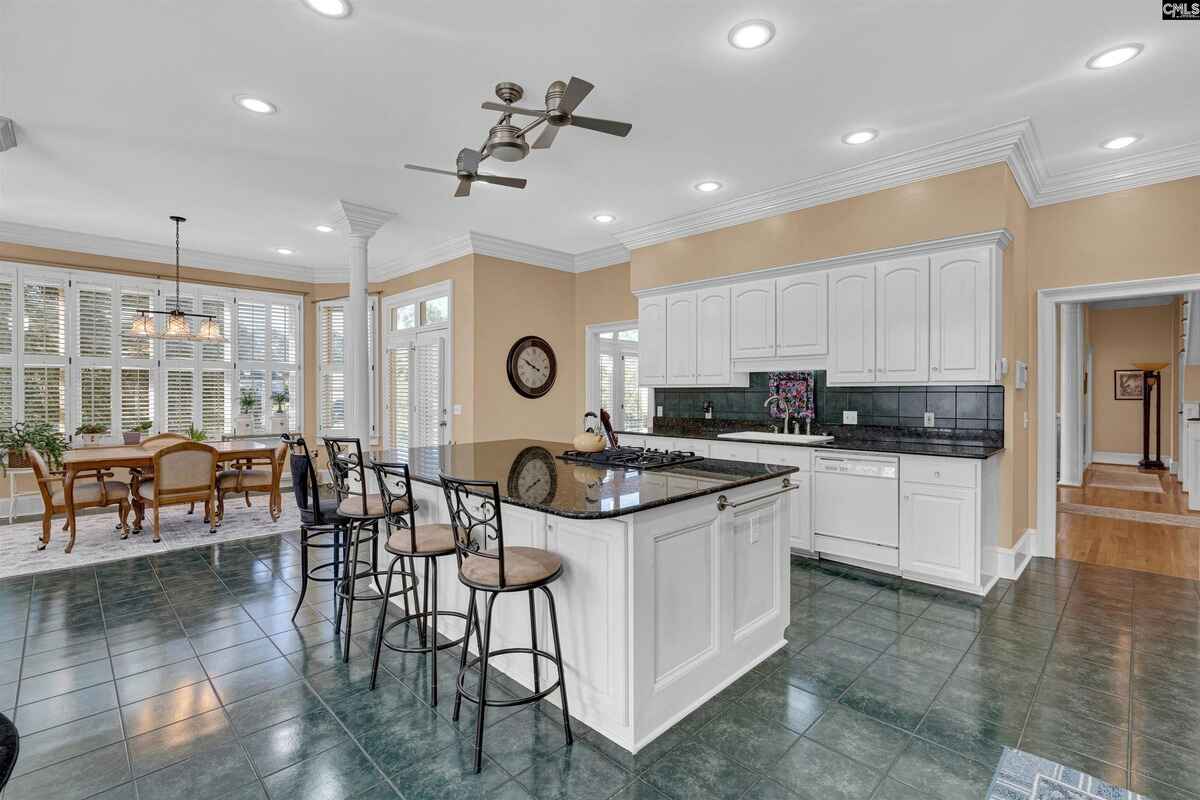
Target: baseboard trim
[
  {"x": 1125, "y": 459},
  {"x": 1010, "y": 562}
]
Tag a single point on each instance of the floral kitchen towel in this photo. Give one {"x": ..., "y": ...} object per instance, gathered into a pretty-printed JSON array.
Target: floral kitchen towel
[{"x": 797, "y": 389}]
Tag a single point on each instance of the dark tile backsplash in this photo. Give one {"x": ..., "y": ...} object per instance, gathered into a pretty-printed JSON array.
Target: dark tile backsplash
[{"x": 967, "y": 407}]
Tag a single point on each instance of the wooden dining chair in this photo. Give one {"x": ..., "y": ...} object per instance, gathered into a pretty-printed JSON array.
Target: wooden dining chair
[
  {"x": 97, "y": 492},
  {"x": 260, "y": 475},
  {"x": 184, "y": 472}
]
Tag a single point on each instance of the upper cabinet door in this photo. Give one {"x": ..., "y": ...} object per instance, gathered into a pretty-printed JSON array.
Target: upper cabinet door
[
  {"x": 681, "y": 338},
  {"x": 960, "y": 327},
  {"x": 652, "y": 341},
  {"x": 902, "y": 320},
  {"x": 712, "y": 337},
  {"x": 802, "y": 315},
  {"x": 753, "y": 319},
  {"x": 852, "y": 325}
]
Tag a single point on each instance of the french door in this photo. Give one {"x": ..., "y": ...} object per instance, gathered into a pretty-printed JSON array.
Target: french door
[{"x": 415, "y": 400}]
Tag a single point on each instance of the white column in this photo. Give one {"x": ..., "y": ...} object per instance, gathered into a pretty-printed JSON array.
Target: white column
[{"x": 359, "y": 223}]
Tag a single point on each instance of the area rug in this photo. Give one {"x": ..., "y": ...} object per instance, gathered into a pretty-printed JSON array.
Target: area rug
[
  {"x": 1024, "y": 776},
  {"x": 1125, "y": 480},
  {"x": 98, "y": 541},
  {"x": 1152, "y": 517}
]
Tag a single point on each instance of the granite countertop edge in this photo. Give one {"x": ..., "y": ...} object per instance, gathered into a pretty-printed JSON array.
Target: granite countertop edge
[
  {"x": 776, "y": 471},
  {"x": 949, "y": 450}
]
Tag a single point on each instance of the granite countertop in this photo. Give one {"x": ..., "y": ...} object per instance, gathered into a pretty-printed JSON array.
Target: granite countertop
[
  {"x": 902, "y": 445},
  {"x": 531, "y": 475}
]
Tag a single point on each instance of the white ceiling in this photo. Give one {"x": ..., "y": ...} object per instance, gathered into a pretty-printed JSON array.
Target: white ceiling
[{"x": 125, "y": 112}]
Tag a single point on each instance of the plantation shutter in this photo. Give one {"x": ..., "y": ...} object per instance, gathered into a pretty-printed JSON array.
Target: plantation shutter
[
  {"x": 134, "y": 346},
  {"x": 635, "y": 412},
  {"x": 45, "y": 396},
  {"x": 6, "y": 396},
  {"x": 428, "y": 391},
  {"x": 45, "y": 319},
  {"x": 253, "y": 381},
  {"x": 252, "y": 331},
  {"x": 95, "y": 396},
  {"x": 400, "y": 395},
  {"x": 214, "y": 402},
  {"x": 94, "y": 326},
  {"x": 283, "y": 334},
  {"x": 181, "y": 350},
  {"x": 137, "y": 401},
  {"x": 7, "y": 310},
  {"x": 218, "y": 308},
  {"x": 607, "y": 379},
  {"x": 332, "y": 389},
  {"x": 6, "y": 318},
  {"x": 180, "y": 397}
]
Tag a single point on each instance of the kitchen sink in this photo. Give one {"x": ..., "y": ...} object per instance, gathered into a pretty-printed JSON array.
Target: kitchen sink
[{"x": 776, "y": 438}]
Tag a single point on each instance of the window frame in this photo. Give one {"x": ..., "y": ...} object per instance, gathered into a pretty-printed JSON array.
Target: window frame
[
  {"x": 410, "y": 338},
  {"x": 594, "y": 346},
  {"x": 339, "y": 365}
]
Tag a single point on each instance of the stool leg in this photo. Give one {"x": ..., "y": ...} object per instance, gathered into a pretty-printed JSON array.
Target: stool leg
[
  {"x": 337, "y": 582},
  {"x": 424, "y": 604},
  {"x": 483, "y": 673},
  {"x": 303, "y": 571},
  {"x": 351, "y": 579},
  {"x": 375, "y": 555},
  {"x": 433, "y": 644},
  {"x": 462, "y": 660},
  {"x": 383, "y": 618},
  {"x": 562, "y": 678},
  {"x": 537, "y": 682}
]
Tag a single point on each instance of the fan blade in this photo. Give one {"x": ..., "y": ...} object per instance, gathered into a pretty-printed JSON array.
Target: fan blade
[
  {"x": 507, "y": 109},
  {"x": 464, "y": 187},
  {"x": 500, "y": 180},
  {"x": 603, "y": 125},
  {"x": 577, "y": 89},
  {"x": 547, "y": 137},
  {"x": 431, "y": 169},
  {"x": 469, "y": 160}
]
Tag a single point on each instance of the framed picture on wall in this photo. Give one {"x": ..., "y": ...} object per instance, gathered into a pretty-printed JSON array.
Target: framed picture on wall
[{"x": 1127, "y": 384}]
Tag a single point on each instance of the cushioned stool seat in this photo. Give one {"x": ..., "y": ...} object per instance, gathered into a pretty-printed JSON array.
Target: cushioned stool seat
[
  {"x": 523, "y": 566},
  {"x": 432, "y": 540},
  {"x": 329, "y": 513},
  {"x": 352, "y": 506}
]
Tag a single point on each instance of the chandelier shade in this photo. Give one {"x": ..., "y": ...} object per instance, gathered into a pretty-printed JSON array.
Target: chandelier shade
[{"x": 177, "y": 326}]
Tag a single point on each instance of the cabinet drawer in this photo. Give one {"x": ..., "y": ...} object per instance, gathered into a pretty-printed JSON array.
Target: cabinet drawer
[
  {"x": 945, "y": 472},
  {"x": 733, "y": 452},
  {"x": 800, "y": 457}
]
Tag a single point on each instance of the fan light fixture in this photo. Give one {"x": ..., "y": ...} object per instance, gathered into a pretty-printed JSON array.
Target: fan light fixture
[
  {"x": 751, "y": 34},
  {"x": 177, "y": 326},
  {"x": 1120, "y": 143},
  {"x": 1115, "y": 56}
]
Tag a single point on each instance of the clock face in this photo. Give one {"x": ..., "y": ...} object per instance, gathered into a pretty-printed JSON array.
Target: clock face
[
  {"x": 532, "y": 367},
  {"x": 534, "y": 476}
]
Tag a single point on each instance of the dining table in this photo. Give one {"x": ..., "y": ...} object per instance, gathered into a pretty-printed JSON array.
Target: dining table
[{"x": 138, "y": 456}]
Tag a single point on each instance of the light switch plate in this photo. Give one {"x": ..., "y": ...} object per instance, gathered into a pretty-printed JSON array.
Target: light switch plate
[
  {"x": 457, "y": 409},
  {"x": 849, "y": 417},
  {"x": 929, "y": 422},
  {"x": 659, "y": 414}
]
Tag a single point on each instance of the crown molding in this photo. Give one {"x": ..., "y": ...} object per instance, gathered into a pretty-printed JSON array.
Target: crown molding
[
  {"x": 483, "y": 244},
  {"x": 113, "y": 247},
  {"x": 361, "y": 221},
  {"x": 1128, "y": 172},
  {"x": 448, "y": 250},
  {"x": 601, "y": 257}
]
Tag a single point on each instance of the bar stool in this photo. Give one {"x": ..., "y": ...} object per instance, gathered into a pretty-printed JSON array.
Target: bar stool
[
  {"x": 319, "y": 517},
  {"x": 475, "y": 517},
  {"x": 363, "y": 511},
  {"x": 408, "y": 540}
]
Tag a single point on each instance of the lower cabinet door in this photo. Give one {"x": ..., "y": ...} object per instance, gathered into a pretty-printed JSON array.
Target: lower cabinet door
[
  {"x": 800, "y": 513},
  {"x": 938, "y": 532}
]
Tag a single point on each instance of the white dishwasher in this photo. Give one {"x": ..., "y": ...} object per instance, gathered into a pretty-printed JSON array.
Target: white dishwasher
[{"x": 856, "y": 507}]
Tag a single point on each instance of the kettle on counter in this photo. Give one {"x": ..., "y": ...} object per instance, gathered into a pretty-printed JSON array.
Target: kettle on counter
[{"x": 592, "y": 439}]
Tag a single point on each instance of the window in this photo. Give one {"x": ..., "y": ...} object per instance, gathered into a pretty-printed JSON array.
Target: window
[
  {"x": 331, "y": 365},
  {"x": 613, "y": 379},
  {"x": 66, "y": 359},
  {"x": 417, "y": 354}
]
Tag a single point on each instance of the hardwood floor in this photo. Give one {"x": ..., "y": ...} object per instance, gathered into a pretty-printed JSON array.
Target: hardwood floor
[{"x": 1147, "y": 546}]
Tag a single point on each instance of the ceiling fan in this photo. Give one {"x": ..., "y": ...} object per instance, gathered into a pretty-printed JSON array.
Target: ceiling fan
[
  {"x": 467, "y": 172},
  {"x": 561, "y": 101}
]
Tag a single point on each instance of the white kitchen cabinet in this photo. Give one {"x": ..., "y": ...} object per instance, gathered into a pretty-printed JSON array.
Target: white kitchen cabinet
[
  {"x": 852, "y": 324},
  {"x": 802, "y": 315},
  {"x": 712, "y": 337},
  {"x": 939, "y": 536},
  {"x": 733, "y": 451},
  {"x": 753, "y": 319},
  {"x": 964, "y": 309},
  {"x": 652, "y": 341},
  {"x": 902, "y": 320},
  {"x": 800, "y": 514},
  {"x": 681, "y": 338}
]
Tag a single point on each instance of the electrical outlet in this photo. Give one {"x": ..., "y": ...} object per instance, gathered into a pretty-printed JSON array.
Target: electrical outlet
[
  {"x": 659, "y": 414},
  {"x": 457, "y": 409},
  {"x": 1025, "y": 420},
  {"x": 929, "y": 423},
  {"x": 849, "y": 417}
]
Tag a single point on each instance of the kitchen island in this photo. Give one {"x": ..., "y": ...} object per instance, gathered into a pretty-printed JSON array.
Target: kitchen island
[{"x": 675, "y": 580}]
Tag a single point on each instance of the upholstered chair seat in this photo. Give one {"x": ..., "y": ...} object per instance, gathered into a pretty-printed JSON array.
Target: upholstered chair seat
[{"x": 90, "y": 492}]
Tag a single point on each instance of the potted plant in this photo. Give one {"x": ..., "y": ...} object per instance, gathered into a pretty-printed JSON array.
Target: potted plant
[
  {"x": 246, "y": 401},
  {"x": 90, "y": 433},
  {"x": 195, "y": 434},
  {"x": 44, "y": 438},
  {"x": 279, "y": 420},
  {"x": 134, "y": 435}
]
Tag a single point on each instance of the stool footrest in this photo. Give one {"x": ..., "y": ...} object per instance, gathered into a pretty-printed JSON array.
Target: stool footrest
[
  {"x": 518, "y": 701},
  {"x": 422, "y": 615}
]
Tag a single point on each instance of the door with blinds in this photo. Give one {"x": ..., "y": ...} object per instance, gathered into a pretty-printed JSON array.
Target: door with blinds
[
  {"x": 617, "y": 379},
  {"x": 416, "y": 396}
]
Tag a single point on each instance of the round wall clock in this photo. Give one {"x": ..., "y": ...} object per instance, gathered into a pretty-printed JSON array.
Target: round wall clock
[
  {"x": 533, "y": 477},
  {"x": 532, "y": 367}
]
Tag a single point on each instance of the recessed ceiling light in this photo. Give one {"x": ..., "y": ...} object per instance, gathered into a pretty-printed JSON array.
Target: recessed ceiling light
[
  {"x": 751, "y": 34},
  {"x": 604, "y": 219},
  {"x": 1120, "y": 143},
  {"x": 1114, "y": 56},
  {"x": 324, "y": 229},
  {"x": 330, "y": 8},
  {"x": 860, "y": 137},
  {"x": 707, "y": 186},
  {"x": 255, "y": 104},
  {"x": 283, "y": 251}
]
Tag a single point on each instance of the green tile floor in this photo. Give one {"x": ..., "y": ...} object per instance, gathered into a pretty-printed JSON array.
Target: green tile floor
[{"x": 182, "y": 676}]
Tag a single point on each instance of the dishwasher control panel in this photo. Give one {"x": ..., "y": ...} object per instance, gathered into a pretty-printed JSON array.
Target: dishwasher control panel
[{"x": 874, "y": 467}]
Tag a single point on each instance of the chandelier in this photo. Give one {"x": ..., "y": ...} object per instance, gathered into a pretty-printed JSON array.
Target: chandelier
[{"x": 177, "y": 326}]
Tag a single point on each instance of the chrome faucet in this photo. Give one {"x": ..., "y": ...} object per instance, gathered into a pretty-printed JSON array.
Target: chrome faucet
[{"x": 787, "y": 410}]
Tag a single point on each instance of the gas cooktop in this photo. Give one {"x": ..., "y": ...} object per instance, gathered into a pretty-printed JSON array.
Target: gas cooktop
[{"x": 632, "y": 457}]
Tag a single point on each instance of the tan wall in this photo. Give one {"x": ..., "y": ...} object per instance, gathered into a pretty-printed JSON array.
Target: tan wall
[
  {"x": 1120, "y": 337},
  {"x": 1191, "y": 384},
  {"x": 601, "y": 296},
  {"x": 1015, "y": 485}
]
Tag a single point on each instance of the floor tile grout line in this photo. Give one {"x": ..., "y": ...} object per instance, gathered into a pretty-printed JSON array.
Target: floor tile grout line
[{"x": 120, "y": 711}]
